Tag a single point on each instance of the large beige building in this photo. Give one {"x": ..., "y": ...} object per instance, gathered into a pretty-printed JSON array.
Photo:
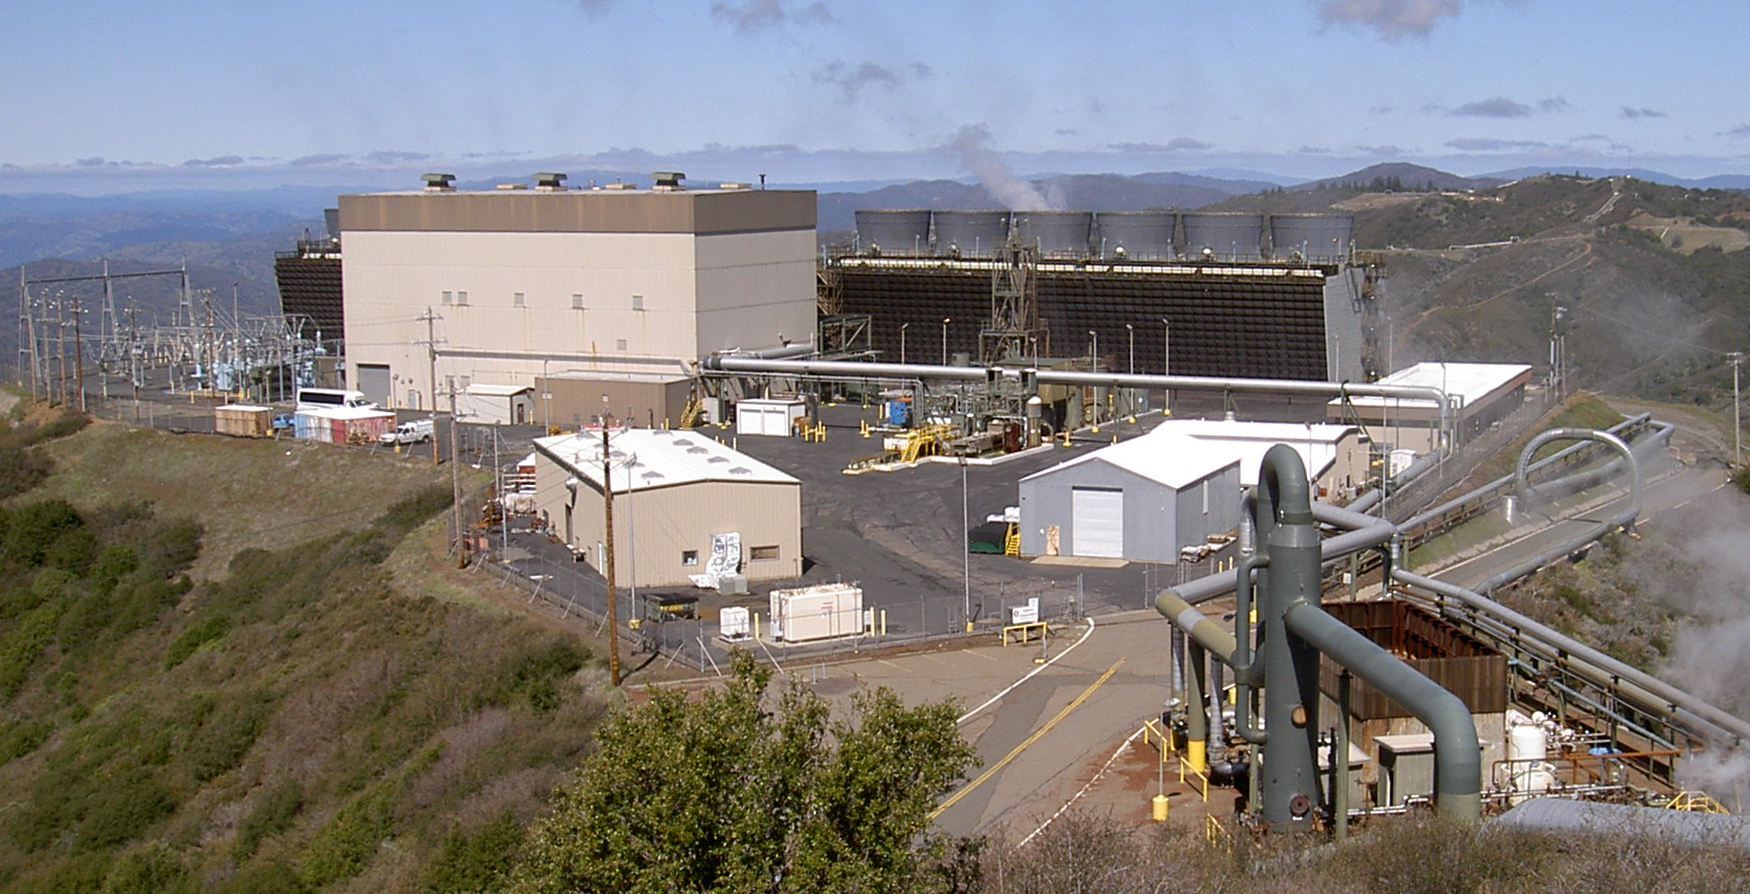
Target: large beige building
[{"x": 549, "y": 286}]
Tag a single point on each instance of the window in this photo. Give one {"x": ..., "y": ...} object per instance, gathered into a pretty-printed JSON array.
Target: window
[
  {"x": 637, "y": 302},
  {"x": 577, "y": 301},
  {"x": 448, "y": 295},
  {"x": 689, "y": 557},
  {"x": 619, "y": 344},
  {"x": 762, "y": 553},
  {"x": 516, "y": 299},
  {"x": 462, "y": 297}
]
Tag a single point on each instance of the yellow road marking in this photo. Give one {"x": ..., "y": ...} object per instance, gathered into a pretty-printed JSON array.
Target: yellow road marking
[{"x": 1016, "y": 751}]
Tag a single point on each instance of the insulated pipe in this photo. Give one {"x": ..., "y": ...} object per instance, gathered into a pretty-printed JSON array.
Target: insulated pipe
[
  {"x": 1247, "y": 673},
  {"x": 1289, "y": 768},
  {"x": 1196, "y": 712},
  {"x": 1458, "y": 764},
  {"x": 1522, "y": 486},
  {"x": 859, "y": 369},
  {"x": 1609, "y": 669}
]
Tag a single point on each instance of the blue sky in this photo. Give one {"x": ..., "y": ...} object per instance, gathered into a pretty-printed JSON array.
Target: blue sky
[{"x": 110, "y": 96}]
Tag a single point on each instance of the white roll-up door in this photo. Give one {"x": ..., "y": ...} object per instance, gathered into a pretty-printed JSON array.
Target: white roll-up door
[{"x": 1097, "y": 522}]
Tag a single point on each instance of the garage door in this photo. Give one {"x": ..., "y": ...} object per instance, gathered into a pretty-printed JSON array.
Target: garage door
[{"x": 1096, "y": 522}]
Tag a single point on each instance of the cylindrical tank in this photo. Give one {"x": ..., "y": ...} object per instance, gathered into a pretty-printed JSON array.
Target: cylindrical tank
[
  {"x": 1320, "y": 238},
  {"x": 1143, "y": 235},
  {"x": 971, "y": 234},
  {"x": 1060, "y": 233},
  {"x": 1227, "y": 237},
  {"x": 1527, "y": 742},
  {"x": 894, "y": 232}
]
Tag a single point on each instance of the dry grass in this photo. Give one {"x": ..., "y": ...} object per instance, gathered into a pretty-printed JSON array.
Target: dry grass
[
  {"x": 1684, "y": 235},
  {"x": 248, "y": 493}
]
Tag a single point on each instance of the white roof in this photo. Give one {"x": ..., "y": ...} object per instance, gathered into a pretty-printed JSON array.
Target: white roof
[
  {"x": 1174, "y": 462},
  {"x": 646, "y": 458},
  {"x": 487, "y": 390},
  {"x": 1247, "y": 442},
  {"x": 370, "y": 412},
  {"x": 1465, "y": 382}
]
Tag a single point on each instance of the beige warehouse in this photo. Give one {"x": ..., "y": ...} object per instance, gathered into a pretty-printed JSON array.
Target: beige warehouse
[
  {"x": 673, "y": 491},
  {"x": 511, "y": 286}
]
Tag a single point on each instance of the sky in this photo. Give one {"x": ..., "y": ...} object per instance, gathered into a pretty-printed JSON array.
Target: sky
[{"x": 116, "y": 95}]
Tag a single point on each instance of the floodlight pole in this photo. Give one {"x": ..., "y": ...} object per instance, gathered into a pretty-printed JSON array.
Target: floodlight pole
[
  {"x": 1737, "y": 422},
  {"x": 608, "y": 560},
  {"x": 966, "y": 546}
]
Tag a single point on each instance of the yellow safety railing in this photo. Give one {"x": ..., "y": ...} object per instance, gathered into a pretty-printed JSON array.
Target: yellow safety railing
[
  {"x": 1700, "y": 802},
  {"x": 1215, "y": 832},
  {"x": 1024, "y": 633},
  {"x": 1201, "y": 779}
]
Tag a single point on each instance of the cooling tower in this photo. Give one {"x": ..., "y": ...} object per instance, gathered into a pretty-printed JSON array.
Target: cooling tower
[
  {"x": 1143, "y": 235},
  {"x": 1231, "y": 237},
  {"x": 895, "y": 232},
  {"x": 971, "y": 234},
  {"x": 1061, "y": 234},
  {"x": 1320, "y": 238}
]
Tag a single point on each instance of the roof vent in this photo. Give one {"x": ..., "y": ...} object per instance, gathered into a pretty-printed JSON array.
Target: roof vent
[
  {"x": 550, "y": 182},
  {"x": 667, "y": 181},
  {"x": 439, "y": 182}
]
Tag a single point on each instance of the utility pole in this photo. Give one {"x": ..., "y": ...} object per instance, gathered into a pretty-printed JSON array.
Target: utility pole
[
  {"x": 1737, "y": 423},
  {"x": 608, "y": 560},
  {"x": 430, "y": 319},
  {"x": 78, "y": 354},
  {"x": 456, "y": 487}
]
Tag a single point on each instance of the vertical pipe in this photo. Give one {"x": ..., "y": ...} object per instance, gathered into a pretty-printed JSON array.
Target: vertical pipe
[
  {"x": 1290, "y": 770},
  {"x": 1340, "y": 759},
  {"x": 1196, "y": 719}
]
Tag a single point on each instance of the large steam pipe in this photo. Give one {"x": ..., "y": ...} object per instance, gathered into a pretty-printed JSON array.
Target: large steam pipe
[
  {"x": 926, "y": 372},
  {"x": 1458, "y": 763},
  {"x": 1294, "y": 630},
  {"x": 1606, "y": 670},
  {"x": 1523, "y": 487}
]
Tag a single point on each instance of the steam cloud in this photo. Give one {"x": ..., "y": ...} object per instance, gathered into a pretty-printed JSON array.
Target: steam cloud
[
  {"x": 1393, "y": 19},
  {"x": 753, "y": 15},
  {"x": 973, "y": 142},
  {"x": 1711, "y": 583}
]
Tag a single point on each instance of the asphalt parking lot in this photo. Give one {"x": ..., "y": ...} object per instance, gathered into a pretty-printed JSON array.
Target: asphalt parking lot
[{"x": 897, "y": 534}]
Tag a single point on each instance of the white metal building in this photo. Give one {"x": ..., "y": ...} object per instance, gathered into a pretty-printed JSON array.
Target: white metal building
[
  {"x": 1479, "y": 394},
  {"x": 1142, "y": 499},
  {"x": 673, "y": 491},
  {"x": 514, "y": 285},
  {"x": 1335, "y": 456}
]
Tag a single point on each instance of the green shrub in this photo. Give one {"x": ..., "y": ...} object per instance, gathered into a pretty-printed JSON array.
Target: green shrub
[
  {"x": 21, "y": 738},
  {"x": 224, "y": 736},
  {"x": 192, "y": 637},
  {"x": 21, "y": 470},
  {"x": 122, "y": 809},
  {"x": 20, "y": 647},
  {"x": 477, "y": 862},
  {"x": 347, "y": 842},
  {"x": 271, "y": 877},
  {"x": 155, "y": 868},
  {"x": 273, "y": 813},
  {"x": 32, "y": 530}
]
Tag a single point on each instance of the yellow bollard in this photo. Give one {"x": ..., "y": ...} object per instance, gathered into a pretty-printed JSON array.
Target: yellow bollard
[{"x": 1160, "y": 808}]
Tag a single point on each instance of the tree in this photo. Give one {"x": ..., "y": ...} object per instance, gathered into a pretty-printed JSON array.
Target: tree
[{"x": 721, "y": 794}]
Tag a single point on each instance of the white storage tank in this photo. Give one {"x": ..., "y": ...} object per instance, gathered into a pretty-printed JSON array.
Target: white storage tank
[{"x": 822, "y": 611}]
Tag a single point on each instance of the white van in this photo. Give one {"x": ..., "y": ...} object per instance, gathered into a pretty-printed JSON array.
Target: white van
[{"x": 330, "y": 399}]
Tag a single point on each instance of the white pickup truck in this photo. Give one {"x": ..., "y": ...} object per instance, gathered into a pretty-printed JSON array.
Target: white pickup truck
[{"x": 411, "y": 432}]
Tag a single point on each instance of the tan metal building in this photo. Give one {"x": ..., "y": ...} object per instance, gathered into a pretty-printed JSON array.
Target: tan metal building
[
  {"x": 515, "y": 285},
  {"x": 674, "y": 493}
]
